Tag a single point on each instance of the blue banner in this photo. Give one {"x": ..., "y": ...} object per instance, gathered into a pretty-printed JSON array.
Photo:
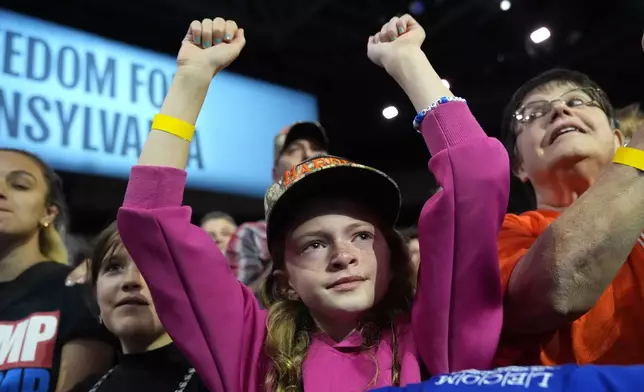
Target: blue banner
[{"x": 85, "y": 104}]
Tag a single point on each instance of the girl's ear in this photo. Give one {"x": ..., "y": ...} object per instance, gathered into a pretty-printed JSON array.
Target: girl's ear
[{"x": 283, "y": 285}]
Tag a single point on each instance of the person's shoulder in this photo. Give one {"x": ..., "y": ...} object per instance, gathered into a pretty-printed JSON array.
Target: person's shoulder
[
  {"x": 248, "y": 232},
  {"x": 198, "y": 385},
  {"x": 517, "y": 235},
  {"x": 534, "y": 222},
  {"x": 43, "y": 284},
  {"x": 248, "y": 239},
  {"x": 524, "y": 218},
  {"x": 87, "y": 384},
  {"x": 48, "y": 278},
  {"x": 56, "y": 267},
  {"x": 55, "y": 272},
  {"x": 255, "y": 227}
]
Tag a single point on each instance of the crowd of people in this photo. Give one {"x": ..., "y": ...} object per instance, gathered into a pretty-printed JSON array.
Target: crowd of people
[{"x": 327, "y": 293}]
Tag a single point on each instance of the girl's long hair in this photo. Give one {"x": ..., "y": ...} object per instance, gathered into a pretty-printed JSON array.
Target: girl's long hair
[{"x": 290, "y": 325}]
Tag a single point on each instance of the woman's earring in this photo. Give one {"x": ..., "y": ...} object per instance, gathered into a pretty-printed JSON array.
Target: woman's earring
[{"x": 45, "y": 225}]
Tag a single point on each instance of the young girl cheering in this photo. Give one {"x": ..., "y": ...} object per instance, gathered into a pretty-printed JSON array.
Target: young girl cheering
[
  {"x": 148, "y": 359},
  {"x": 340, "y": 314}
]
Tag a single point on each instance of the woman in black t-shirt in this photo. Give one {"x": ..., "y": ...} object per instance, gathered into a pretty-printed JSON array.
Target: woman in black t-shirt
[
  {"x": 149, "y": 360},
  {"x": 49, "y": 340}
]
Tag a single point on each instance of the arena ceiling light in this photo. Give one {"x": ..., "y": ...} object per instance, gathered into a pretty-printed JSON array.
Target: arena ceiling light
[
  {"x": 505, "y": 5},
  {"x": 389, "y": 112},
  {"x": 540, "y": 35}
]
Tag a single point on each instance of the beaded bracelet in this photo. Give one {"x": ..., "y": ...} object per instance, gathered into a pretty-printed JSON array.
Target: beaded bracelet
[{"x": 421, "y": 116}]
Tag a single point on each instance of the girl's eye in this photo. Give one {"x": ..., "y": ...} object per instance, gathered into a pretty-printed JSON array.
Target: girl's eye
[
  {"x": 313, "y": 245},
  {"x": 112, "y": 266},
  {"x": 20, "y": 187},
  {"x": 364, "y": 235}
]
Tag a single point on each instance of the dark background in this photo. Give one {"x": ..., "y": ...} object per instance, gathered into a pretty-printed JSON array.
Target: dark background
[{"x": 320, "y": 46}]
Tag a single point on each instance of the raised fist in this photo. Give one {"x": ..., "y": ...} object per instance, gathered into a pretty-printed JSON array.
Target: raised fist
[
  {"x": 395, "y": 37},
  {"x": 211, "y": 45}
]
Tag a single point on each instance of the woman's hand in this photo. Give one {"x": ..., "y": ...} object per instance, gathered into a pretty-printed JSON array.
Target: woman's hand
[
  {"x": 210, "y": 46},
  {"x": 395, "y": 39}
]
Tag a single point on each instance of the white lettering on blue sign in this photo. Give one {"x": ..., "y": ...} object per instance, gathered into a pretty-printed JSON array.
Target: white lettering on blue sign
[
  {"x": 85, "y": 104},
  {"x": 526, "y": 377}
]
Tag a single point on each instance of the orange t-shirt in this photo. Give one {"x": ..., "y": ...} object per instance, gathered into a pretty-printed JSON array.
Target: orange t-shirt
[{"x": 612, "y": 332}]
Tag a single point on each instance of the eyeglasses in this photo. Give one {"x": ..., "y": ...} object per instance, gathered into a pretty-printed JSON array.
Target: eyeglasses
[{"x": 586, "y": 96}]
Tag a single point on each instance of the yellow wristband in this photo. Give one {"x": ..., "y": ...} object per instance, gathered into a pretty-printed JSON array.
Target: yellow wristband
[
  {"x": 629, "y": 156},
  {"x": 174, "y": 126}
]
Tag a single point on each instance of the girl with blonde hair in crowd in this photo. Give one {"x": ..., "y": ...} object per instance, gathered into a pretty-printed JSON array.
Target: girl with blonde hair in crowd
[
  {"x": 340, "y": 310},
  {"x": 52, "y": 339}
]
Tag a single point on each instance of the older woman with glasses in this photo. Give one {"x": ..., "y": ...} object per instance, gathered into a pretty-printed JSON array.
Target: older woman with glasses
[{"x": 572, "y": 268}]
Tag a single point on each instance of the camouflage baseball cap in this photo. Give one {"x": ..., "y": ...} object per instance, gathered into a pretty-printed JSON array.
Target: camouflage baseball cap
[
  {"x": 330, "y": 175},
  {"x": 300, "y": 130}
]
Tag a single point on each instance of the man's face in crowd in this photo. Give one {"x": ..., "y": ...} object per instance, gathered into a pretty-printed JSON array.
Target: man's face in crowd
[
  {"x": 220, "y": 230},
  {"x": 296, "y": 152}
]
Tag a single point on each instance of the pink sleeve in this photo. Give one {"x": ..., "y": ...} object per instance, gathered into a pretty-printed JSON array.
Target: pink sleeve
[
  {"x": 457, "y": 313},
  {"x": 214, "y": 319}
]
